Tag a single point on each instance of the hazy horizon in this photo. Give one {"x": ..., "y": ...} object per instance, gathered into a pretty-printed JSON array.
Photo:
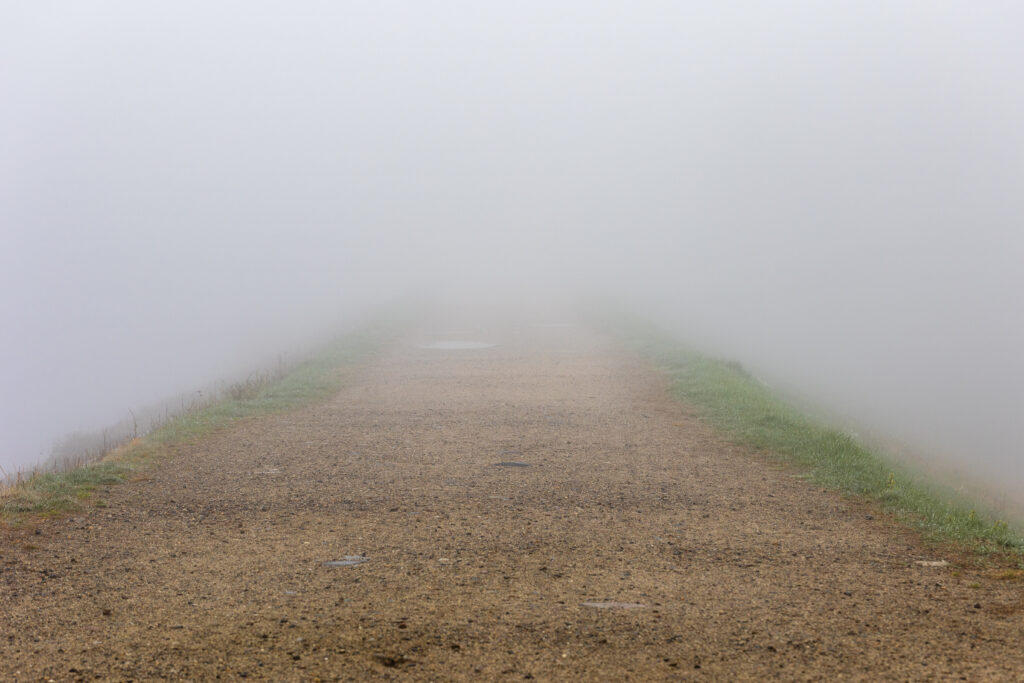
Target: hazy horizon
[{"x": 830, "y": 194}]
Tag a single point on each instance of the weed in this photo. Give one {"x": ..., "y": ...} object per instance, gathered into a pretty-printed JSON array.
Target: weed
[{"x": 251, "y": 388}]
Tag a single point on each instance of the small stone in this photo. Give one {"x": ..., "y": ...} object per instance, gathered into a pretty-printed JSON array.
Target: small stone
[
  {"x": 615, "y": 605},
  {"x": 347, "y": 561}
]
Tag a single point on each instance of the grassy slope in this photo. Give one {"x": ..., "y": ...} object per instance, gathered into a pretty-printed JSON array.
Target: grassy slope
[
  {"x": 54, "y": 493},
  {"x": 748, "y": 413}
]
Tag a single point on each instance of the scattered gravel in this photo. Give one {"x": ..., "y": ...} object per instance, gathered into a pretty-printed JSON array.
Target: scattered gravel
[{"x": 646, "y": 547}]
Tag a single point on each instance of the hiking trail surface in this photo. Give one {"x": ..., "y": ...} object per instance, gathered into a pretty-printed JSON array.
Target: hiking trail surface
[{"x": 538, "y": 509}]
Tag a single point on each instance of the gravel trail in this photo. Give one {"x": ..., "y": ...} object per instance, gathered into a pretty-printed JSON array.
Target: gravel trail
[{"x": 536, "y": 509}]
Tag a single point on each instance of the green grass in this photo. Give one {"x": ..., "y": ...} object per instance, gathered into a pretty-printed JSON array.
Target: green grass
[
  {"x": 748, "y": 413},
  {"x": 55, "y": 493},
  {"x": 311, "y": 381}
]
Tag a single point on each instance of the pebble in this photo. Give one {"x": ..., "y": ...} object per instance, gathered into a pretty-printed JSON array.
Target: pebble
[
  {"x": 615, "y": 605},
  {"x": 347, "y": 561}
]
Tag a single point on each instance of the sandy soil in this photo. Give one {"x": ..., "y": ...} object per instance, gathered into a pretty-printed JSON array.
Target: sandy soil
[{"x": 636, "y": 545}]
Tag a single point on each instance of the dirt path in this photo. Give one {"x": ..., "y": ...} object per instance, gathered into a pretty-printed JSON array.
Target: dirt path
[{"x": 214, "y": 566}]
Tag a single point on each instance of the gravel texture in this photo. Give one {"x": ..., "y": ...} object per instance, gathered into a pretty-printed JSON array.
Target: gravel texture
[{"x": 374, "y": 536}]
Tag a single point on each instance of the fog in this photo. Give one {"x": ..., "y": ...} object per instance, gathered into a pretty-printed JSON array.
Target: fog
[{"x": 831, "y": 193}]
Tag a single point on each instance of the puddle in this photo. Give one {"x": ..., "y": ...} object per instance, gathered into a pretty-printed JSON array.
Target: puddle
[
  {"x": 347, "y": 561},
  {"x": 512, "y": 463},
  {"x": 615, "y": 605},
  {"x": 456, "y": 345}
]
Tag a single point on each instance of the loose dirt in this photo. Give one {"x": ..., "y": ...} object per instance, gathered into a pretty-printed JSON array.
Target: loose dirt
[{"x": 375, "y": 536}]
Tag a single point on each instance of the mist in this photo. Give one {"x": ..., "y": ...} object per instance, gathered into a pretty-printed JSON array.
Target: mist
[{"x": 830, "y": 193}]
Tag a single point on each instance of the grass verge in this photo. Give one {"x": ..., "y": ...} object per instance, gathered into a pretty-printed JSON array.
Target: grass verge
[
  {"x": 748, "y": 413},
  {"x": 47, "y": 494}
]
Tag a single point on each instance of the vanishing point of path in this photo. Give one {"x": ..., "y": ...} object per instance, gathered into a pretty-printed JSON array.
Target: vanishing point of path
[{"x": 621, "y": 540}]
